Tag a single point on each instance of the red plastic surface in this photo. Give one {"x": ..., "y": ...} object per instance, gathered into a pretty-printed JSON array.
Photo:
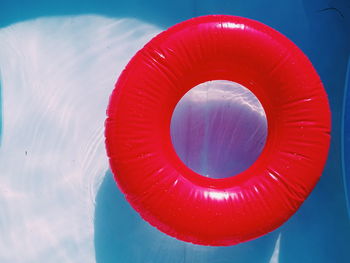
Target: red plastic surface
[{"x": 168, "y": 194}]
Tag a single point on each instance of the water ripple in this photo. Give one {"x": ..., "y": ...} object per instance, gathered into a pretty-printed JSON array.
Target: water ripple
[{"x": 57, "y": 74}]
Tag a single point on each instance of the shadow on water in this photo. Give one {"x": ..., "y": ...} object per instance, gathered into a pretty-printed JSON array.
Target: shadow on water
[{"x": 122, "y": 236}]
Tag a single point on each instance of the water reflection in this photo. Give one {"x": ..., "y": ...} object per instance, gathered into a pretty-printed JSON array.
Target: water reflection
[{"x": 219, "y": 128}]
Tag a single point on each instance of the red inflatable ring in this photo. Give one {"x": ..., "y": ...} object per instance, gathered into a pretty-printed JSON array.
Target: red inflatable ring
[{"x": 168, "y": 194}]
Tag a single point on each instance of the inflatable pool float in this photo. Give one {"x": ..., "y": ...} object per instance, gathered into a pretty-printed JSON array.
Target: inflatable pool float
[{"x": 168, "y": 194}]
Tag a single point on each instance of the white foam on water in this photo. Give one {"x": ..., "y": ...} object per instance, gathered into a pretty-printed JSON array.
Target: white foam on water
[{"x": 57, "y": 74}]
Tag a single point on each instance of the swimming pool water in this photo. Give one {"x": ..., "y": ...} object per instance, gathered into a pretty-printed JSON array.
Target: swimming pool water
[{"x": 58, "y": 64}]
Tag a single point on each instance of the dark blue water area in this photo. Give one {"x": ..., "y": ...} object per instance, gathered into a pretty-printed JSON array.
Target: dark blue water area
[
  {"x": 346, "y": 139},
  {"x": 320, "y": 230}
]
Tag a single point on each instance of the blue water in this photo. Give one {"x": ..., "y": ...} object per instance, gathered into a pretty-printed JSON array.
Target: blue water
[
  {"x": 346, "y": 138},
  {"x": 318, "y": 232}
]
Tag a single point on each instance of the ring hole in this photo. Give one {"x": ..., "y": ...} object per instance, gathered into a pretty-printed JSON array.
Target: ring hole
[{"x": 218, "y": 128}]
